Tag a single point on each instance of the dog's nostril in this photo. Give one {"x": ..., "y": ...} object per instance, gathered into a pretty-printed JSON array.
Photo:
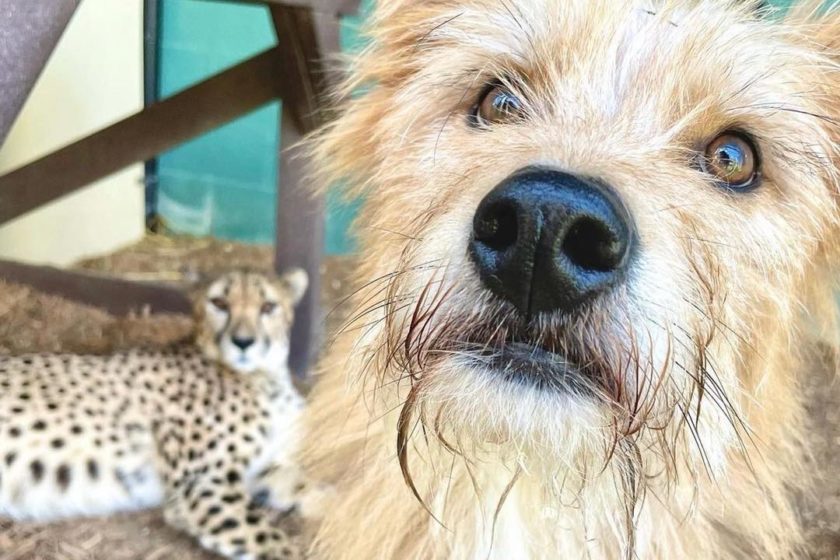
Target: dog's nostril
[
  {"x": 497, "y": 226},
  {"x": 592, "y": 245}
]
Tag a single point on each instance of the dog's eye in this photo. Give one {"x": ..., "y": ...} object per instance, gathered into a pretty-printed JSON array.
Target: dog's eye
[
  {"x": 268, "y": 308},
  {"x": 220, "y": 303},
  {"x": 732, "y": 159},
  {"x": 498, "y": 106}
]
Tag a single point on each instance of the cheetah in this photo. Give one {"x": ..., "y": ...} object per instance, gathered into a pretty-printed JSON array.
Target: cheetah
[{"x": 192, "y": 428}]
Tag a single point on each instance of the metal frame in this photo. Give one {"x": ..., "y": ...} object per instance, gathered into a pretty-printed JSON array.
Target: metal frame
[{"x": 151, "y": 67}]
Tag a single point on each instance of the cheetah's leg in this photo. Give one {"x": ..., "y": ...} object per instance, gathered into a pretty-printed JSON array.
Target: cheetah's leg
[
  {"x": 213, "y": 508},
  {"x": 287, "y": 486}
]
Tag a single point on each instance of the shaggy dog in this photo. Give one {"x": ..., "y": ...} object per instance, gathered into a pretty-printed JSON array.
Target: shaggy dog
[{"x": 596, "y": 250}]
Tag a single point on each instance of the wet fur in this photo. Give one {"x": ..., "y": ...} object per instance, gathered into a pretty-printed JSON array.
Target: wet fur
[{"x": 684, "y": 436}]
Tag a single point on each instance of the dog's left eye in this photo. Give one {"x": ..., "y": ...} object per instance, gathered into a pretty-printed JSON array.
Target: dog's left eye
[
  {"x": 733, "y": 160},
  {"x": 498, "y": 106}
]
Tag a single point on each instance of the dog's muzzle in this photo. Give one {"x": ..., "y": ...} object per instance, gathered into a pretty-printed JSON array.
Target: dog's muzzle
[{"x": 548, "y": 241}]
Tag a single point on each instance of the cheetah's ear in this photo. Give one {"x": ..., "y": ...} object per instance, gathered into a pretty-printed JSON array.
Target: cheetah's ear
[{"x": 294, "y": 282}]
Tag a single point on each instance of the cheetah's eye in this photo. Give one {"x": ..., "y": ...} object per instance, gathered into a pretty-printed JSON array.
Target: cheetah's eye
[
  {"x": 498, "y": 105},
  {"x": 220, "y": 303},
  {"x": 732, "y": 159},
  {"x": 268, "y": 308}
]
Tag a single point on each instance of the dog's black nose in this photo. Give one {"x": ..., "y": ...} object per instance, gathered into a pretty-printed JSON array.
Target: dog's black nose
[
  {"x": 545, "y": 240},
  {"x": 242, "y": 343}
]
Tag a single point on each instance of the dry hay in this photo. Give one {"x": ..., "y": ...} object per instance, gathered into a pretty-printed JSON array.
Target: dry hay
[{"x": 32, "y": 321}]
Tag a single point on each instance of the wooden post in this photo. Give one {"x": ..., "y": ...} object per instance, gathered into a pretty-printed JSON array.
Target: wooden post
[
  {"x": 300, "y": 242},
  {"x": 303, "y": 41}
]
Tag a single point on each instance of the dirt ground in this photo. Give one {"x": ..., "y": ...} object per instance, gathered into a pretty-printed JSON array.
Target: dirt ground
[{"x": 31, "y": 321}]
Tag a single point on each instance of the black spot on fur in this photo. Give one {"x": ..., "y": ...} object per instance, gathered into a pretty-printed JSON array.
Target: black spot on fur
[
  {"x": 188, "y": 489},
  {"x": 10, "y": 458},
  {"x": 92, "y": 469},
  {"x": 232, "y": 498},
  {"x": 37, "y": 469},
  {"x": 227, "y": 525},
  {"x": 57, "y": 443},
  {"x": 233, "y": 477},
  {"x": 62, "y": 476}
]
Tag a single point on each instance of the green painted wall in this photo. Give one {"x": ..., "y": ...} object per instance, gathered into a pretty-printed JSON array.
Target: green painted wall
[{"x": 224, "y": 183}]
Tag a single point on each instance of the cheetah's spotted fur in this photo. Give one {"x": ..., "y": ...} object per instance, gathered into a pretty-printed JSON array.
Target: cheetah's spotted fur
[{"x": 191, "y": 427}]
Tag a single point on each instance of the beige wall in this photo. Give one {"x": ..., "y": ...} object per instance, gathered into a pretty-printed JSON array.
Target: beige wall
[{"x": 93, "y": 79}]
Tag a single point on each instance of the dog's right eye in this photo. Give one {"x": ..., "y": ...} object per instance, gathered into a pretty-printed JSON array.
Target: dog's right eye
[
  {"x": 498, "y": 105},
  {"x": 732, "y": 159}
]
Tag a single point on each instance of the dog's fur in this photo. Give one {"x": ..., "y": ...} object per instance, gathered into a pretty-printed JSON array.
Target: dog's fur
[{"x": 688, "y": 443}]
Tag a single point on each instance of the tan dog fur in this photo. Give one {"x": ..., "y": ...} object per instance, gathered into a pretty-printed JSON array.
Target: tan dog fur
[{"x": 691, "y": 449}]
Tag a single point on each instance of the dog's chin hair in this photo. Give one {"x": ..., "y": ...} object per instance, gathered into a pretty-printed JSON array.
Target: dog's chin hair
[{"x": 625, "y": 424}]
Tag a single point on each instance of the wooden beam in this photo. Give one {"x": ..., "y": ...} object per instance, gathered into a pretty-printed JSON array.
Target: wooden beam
[
  {"x": 116, "y": 296},
  {"x": 348, "y": 7},
  {"x": 166, "y": 124},
  {"x": 331, "y": 7}
]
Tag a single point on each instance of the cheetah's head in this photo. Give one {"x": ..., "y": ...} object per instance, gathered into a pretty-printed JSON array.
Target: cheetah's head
[{"x": 244, "y": 319}]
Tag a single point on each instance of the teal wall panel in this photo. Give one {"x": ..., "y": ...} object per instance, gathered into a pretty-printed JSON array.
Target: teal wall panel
[{"x": 224, "y": 183}]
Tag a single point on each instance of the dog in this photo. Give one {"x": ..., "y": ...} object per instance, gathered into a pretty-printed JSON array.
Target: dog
[{"x": 598, "y": 247}]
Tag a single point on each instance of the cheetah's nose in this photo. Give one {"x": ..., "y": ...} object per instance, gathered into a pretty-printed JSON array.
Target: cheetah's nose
[
  {"x": 545, "y": 240},
  {"x": 242, "y": 343}
]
